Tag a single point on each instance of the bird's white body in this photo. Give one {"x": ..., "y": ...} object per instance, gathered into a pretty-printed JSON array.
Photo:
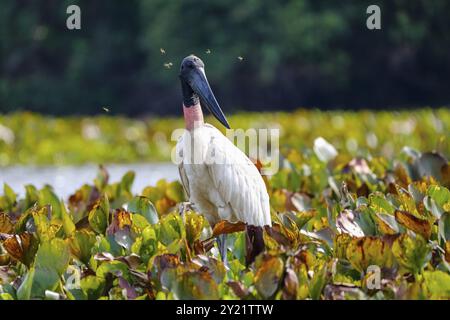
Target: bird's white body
[{"x": 220, "y": 180}]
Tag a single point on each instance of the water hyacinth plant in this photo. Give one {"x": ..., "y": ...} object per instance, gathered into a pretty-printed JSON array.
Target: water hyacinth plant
[{"x": 344, "y": 227}]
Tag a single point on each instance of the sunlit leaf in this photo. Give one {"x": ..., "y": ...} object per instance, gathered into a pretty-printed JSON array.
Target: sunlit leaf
[
  {"x": 225, "y": 227},
  {"x": 48, "y": 197},
  {"x": 437, "y": 284},
  {"x": 194, "y": 226},
  {"x": 412, "y": 253},
  {"x": 46, "y": 228},
  {"x": 81, "y": 243},
  {"x": 366, "y": 251},
  {"x": 116, "y": 268},
  {"x": 318, "y": 281},
  {"x": 420, "y": 226},
  {"x": 175, "y": 191},
  {"x": 99, "y": 215}
]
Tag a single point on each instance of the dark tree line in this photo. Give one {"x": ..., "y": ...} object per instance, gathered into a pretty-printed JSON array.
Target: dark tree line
[{"x": 259, "y": 54}]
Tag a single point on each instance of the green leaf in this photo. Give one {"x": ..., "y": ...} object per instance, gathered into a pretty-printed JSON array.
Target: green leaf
[
  {"x": 439, "y": 194},
  {"x": 139, "y": 221},
  {"x": 24, "y": 291},
  {"x": 318, "y": 282},
  {"x": 10, "y": 196},
  {"x": 68, "y": 225},
  {"x": 437, "y": 284},
  {"x": 52, "y": 259},
  {"x": 101, "y": 181},
  {"x": 301, "y": 218},
  {"x": 31, "y": 195},
  {"x": 171, "y": 229},
  {"x": 444, "y": 226},
  {"x": 45, "y": 228},
  {"x": 117, "y": 268},
  {"x": 6, "y": 296},
  {"x": 99, "y": 215},
  {"x": 92, "y": 286},
  {"x": 175, "y": 191},
  {"x": 48, "y": 197},
  {"x": 194, "y": 226},
  {"x": 411, "y": 253},
  {"x": 108, "y": 244},
  {"x": 144, "y": 207},
  {"x": 380, "y": 204},
  {"x": 81, "y": 244},
  {"x": 127, "y": 181}
]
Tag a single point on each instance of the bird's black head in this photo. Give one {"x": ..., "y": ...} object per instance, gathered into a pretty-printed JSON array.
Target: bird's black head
[{"x": 195, "y": 86}]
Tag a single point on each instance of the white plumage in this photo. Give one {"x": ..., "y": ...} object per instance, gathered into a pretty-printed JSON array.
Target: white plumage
[{"x": 220, "y": 180}]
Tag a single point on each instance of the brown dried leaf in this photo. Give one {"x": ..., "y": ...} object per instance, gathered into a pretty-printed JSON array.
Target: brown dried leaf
[
  {"x": 447, "y": 251},
  {"x": 420, "y": 226},
  {"x": 238, "y": 289},
  {"x": 290, "y": 285},
  {"x": 166, "y": 261},
  {"x": 445, "y": 172},
  {"x": 254, "y": 243},
  {"x": 402, "y": 177},
  {"x": 201, "y": 247},
  {"x": 121, "y": 220},
  {"x": 225, "y": 227},
  {"x": 277, "y": 235},
  {"x": 21, "y": 247},
  {"x": 363, "y": 191},
  {"x": 6, "y": 226}
]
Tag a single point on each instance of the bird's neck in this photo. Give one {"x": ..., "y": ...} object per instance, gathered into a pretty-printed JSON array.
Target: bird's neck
[{"x": 193, "y": 116}]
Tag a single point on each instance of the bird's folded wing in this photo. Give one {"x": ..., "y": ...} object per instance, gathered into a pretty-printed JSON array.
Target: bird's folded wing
[{"x": 238, "y": 182}]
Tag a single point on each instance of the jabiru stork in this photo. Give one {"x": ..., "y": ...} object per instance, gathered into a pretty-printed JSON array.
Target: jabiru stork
[{"x": 219, "y": 179}]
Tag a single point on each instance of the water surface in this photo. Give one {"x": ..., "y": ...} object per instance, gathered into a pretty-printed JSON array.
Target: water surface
[{"x": 67, "y": 179}]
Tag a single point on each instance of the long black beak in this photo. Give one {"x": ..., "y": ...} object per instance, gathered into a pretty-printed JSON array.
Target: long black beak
[{"x": 198, "y": 82}]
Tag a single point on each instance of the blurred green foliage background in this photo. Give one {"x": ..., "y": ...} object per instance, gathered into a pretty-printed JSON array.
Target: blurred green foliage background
[
  {"x": 294, "y": 53},
  {"x": 27, "y": 138}
]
